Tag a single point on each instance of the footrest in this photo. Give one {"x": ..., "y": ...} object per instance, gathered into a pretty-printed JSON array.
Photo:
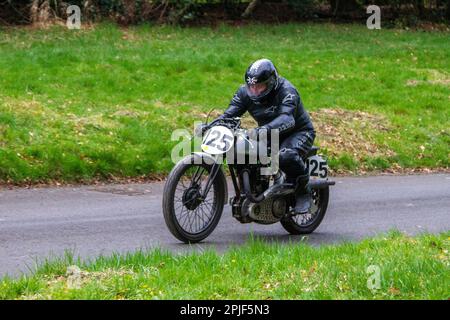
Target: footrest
[{"x": 279, "y": 189}]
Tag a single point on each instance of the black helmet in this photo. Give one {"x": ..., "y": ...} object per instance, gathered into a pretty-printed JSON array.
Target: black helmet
[{"x": 261, "y": 78}]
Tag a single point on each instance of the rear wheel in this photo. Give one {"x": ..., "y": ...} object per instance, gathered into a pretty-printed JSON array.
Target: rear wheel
[
  {"x": 189, "y": 216},
  {"x": 307, "y": 223}
]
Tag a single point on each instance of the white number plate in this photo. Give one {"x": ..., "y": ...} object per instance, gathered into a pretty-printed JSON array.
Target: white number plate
[
  {"x": 218, "y": 140},
  {"x": 317, "y": 167}
]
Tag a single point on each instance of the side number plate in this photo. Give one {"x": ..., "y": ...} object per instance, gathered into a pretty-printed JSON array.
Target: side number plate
[{"x": 317, "y": 167}]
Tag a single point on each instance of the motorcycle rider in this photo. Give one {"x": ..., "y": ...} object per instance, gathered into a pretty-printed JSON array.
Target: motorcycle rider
[{"x": 275, "y": 103}]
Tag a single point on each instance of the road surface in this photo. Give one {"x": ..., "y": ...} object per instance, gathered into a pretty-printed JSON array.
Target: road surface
[{"x": 93, "y": 220}]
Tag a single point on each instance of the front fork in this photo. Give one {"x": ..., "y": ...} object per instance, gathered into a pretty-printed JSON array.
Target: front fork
[{"x": 216, "y": 167}]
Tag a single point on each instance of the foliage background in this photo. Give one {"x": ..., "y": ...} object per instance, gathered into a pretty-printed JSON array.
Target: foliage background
[{"x": 404, "y": 12}]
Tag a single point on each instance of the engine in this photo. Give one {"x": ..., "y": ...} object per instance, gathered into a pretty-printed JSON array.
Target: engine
[{"x": 266, "y": 212}]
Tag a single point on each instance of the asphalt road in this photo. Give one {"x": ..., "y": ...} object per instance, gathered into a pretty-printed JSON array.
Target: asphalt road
[{"x": 92, "y": 220}]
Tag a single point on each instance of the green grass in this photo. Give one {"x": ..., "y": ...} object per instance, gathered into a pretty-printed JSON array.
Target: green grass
[
  {"x": 410, "y": 268},
  {"x": 77, "y": 105}
]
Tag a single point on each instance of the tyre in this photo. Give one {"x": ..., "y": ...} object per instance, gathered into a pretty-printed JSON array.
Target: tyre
[
  {"x": 307, "y": 223},
  {"x": 188, "y": 217}
]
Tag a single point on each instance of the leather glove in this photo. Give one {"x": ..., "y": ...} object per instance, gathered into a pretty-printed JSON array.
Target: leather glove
[{"x": 254, "y": 133}]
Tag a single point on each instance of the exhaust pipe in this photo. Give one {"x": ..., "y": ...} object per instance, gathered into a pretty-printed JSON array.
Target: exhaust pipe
[
  {"x": 275, "y": 189},
  {"x": 278, "y": 189},
  {"x": 320, "y": 184},
  {"x": 247, "y": 189}
]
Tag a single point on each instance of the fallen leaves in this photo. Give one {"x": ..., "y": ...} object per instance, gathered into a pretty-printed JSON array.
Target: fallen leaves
[
  {"x": 432, "y": 76},
  {"x": 350, "y": 132},
  {"x": 394, "y": 291},
  {"x": 130, "y": 113},
  {"x": 75, "y": 277},
  {"x": 413, "y": 83}
]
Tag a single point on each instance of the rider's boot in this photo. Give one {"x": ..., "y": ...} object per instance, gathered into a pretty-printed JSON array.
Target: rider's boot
[{"x": 302, "y": 195}]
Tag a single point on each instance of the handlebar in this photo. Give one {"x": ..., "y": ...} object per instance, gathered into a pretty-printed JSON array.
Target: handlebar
[
  {"x": 233, "y": 124},
  {"x": 230, "y": 123}
]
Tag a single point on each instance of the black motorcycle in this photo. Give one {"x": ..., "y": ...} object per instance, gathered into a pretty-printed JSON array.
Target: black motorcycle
[{"x": 196, "y": 188}]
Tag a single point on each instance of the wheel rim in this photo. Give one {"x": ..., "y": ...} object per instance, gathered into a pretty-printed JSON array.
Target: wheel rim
[
  {"x": 305, "y": 220},
  {"x": 192, "y": 213}
]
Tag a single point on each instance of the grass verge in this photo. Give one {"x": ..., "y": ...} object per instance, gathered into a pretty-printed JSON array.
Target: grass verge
[
  {"x": 102, "y": 103},
  {"x": 409, "y": 268}
]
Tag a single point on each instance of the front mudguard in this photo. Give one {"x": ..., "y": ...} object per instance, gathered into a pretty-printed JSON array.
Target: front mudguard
[{"x": 203, "y": 157}]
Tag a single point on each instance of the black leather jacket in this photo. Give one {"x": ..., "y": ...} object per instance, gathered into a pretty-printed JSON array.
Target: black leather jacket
[{"x": 282, "y": 109}]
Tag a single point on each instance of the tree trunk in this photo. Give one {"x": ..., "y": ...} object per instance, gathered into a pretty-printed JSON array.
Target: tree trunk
[
  {"x": 129, "y": 14},
  {"x": 340, "y": 8},
  {"x": 420, "y": 7},
  {"x": 34, "y": 11},
  {"x": 40, "y": 12},
  {"x": 448, "y": 10},
  {"x": 250, "y": 8}
]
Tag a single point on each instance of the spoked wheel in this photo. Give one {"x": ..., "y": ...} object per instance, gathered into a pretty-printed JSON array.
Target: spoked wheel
[
  {"x": 189, "y": 214},
  {"x": 307, "y": 223}
]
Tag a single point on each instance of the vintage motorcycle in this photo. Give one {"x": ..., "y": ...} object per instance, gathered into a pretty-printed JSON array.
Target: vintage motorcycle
[{"x": 196, "y": 189}]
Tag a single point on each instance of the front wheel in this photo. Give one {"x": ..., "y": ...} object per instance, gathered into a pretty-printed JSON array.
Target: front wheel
[
  {"x": 307, "y": 223},
  {"x": 189, "y": 216}
]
